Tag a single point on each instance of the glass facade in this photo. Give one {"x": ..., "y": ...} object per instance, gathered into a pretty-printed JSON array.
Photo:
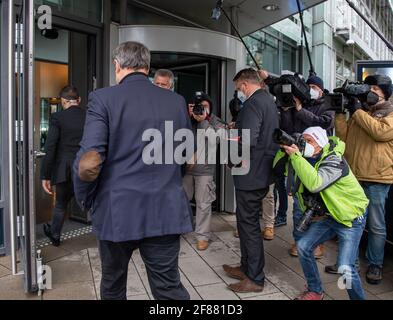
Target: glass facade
[
  {"x": 90, "y": 10},
  {"x": 273, "y": 51}
]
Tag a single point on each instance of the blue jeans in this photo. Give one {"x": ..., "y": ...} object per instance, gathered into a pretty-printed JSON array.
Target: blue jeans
[
  {"x": 377, "y": 194},
  {"x": 297, "y": 216},
  {"x": 348, "y": 244},
  {"x": 281, "y": 194}
]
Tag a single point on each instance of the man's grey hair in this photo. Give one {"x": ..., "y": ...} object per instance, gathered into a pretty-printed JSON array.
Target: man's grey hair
[
  {"x": 132, "y": 55},
  {"x": 167, "y": 74}
]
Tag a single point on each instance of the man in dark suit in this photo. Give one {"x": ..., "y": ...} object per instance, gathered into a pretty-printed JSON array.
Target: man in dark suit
[
  {"x": 62, "y": 145},
  {"x": 259, "y": 117},
  {"x": 134, "y": 204}
]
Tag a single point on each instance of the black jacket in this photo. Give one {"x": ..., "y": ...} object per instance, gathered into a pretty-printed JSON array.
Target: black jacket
[
  {"x": 314, "y": 114},
  {"x": 65, "y": 134},
  {"x": 260, "y": 115}
]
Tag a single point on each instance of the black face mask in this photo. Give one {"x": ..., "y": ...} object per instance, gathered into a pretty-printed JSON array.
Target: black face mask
[{"x": 372, "y": 98}]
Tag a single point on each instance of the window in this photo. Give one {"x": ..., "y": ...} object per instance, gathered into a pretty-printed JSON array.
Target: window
[
  {"x": 348, "y": 70},
  {"x": 339, "y": 66},
  {"x": 339, "y": 83},
  {"x": 85, "y": 9},
  {"x": 288, "y": 57},
  {"x": 274, "y": 54},
  {"x": 270, "y": 56}
]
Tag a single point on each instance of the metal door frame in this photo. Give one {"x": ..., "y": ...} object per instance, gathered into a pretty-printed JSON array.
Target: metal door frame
[
  {"x": 7, "y": 155},
  {"x": 27, "y": 213}
]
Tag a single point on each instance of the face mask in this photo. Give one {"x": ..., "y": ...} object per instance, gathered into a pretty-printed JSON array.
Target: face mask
[
  {"x": 314, "y": 94},
  {"x": 242, "y": 97},
  {"x": 309, "y": 151},
  {"x": 372, "y": 98}
]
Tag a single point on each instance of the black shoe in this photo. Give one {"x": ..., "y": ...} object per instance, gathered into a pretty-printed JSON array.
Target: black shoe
[
  {"x": 48, "y": 233},
  {"x": 374, "y": 274},
  {"x": 334, "y": 270},
  {"x": 331, "y": 269}
]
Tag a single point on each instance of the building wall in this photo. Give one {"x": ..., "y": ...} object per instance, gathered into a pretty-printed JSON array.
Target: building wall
[{"x": 329, "y": 26}]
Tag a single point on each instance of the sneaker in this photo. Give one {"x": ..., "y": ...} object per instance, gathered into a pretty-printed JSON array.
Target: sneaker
[
  {"x": 308, "y": 295},
  {"x": 374, "y": 274},
  {"x": 280, "y": 223},
  {"x": 268, "y": 234},
  {"x": 48, "y": 233}
]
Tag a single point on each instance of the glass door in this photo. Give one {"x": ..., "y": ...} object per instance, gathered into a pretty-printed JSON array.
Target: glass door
[{"x": 15, "y": 147}]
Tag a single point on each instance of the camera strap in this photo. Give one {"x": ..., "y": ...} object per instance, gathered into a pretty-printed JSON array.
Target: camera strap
[{"x": 290, "y": 182}]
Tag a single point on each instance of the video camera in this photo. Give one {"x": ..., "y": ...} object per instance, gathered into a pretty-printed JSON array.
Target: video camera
[
  {"x": 286, "y": 87},
  {"x": 340, "y": 100},
  {"x": 280, "y": 137}
]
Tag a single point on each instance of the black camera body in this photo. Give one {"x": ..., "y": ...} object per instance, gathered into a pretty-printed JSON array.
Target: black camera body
[
  {"x": 198, "y": 108},
  {"x": 314, "y": 209},
  {"x": 340, "y": 100},
  {"x": 286, "y": 87},
  {"x": 282, "y": 138}
]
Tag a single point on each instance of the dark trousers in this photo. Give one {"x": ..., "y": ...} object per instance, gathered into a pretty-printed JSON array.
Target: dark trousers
[
  {"x": 281, "y": 194},
  {"x": 161, "y": 257},
  {"x": 251, "y": 242},
  {"x": 64, "y": 194}
]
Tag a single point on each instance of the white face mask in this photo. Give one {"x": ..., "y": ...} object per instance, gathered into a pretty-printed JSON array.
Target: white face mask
[
  {"x": 242, "y": 97},
  {"x": 314, "y": 94},
  {"x": 309, "y": 151}
]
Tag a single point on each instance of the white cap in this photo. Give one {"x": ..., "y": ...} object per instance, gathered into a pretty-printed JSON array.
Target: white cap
[{"x": 319, "y": 135}]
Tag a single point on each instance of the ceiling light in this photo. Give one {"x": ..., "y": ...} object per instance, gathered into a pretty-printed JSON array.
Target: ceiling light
[{"x": 271, "y": 7}]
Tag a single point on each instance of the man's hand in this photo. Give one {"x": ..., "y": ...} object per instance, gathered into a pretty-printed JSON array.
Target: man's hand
[
  {"x": 354, "y": 105},
  {"x": 46, "y": 185},
  {"x": 291, "y": 150},
  {"x": 263, "y": 74},
  {"x": 298, "y": 104},
  {"x": 200, "y": 118},
  {"x": 232, "y": 125}
]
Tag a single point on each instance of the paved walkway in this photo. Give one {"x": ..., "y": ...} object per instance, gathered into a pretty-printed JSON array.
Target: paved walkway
[{"x": 76, "y": 270}]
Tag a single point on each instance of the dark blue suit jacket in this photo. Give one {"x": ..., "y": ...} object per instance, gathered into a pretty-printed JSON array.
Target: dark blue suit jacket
[
  {"x": 259, "y": 115},
  {"x": 131, "y": 200}
]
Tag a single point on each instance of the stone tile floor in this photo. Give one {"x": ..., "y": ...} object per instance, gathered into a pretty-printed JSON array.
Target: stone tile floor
[{"x": 76, "y": 270}]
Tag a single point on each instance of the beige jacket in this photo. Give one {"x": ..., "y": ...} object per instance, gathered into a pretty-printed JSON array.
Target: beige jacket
[{"x": 369, "y": 143}]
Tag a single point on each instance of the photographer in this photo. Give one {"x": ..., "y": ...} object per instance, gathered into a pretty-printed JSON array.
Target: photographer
[
  {"x": 199, "y": 179},
  {"x": 369, "y": 138},
  {"x": 297, "y": 119},
  {"x": 311, "y": 113},
  {"x": 333, "y": 204}
]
